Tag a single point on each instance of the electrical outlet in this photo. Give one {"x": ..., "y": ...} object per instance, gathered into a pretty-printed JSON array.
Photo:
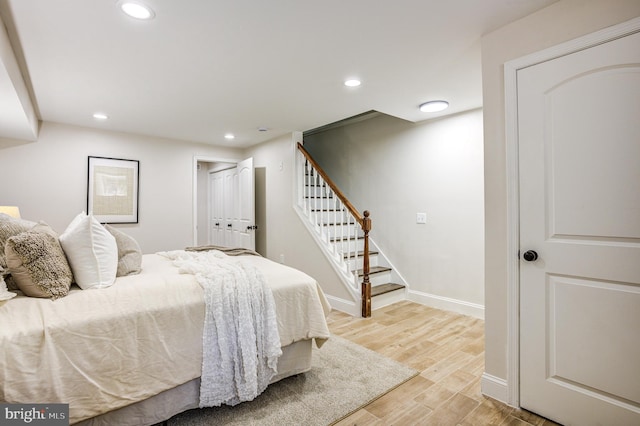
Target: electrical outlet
[
  {"x": 421, "y": 218},
  {"x": 282, "y": 259}
]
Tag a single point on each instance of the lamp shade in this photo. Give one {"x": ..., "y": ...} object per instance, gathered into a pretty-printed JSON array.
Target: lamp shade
[{"x": 12, "y": 211}]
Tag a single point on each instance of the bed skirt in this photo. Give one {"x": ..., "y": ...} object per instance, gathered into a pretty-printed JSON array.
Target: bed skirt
[{"x": 295, "y": 359}]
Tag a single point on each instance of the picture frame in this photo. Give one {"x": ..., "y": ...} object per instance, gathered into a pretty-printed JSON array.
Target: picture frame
[{"x": 113, "y": 189}]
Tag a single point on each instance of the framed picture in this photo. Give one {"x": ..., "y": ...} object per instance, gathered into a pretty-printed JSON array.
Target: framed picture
[{"x": 112, "y": 190}]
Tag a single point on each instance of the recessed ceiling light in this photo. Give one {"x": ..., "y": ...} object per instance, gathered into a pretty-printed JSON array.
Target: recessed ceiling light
[
  {"x": 100, "y": 116},
  {"x": 352, "y": 83},
  {"x": 229, "y": 136},
  {"x": 137, "y": 10},
  {"x": 434, "y": 106}
]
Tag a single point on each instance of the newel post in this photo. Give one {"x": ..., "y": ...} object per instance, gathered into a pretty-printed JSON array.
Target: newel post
[{"x": 366, "y": 284}]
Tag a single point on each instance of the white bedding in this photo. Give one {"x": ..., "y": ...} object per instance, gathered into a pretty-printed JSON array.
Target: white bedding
[{"x": 73, "y": 350}]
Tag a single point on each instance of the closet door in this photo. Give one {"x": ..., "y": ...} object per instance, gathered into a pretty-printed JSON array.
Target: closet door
[
  {"x": 216, "y": 223},
  {"x": 246, "y": 204},
  {"x": 230, "y": 208},
  {"x": 579, "y": 147}
]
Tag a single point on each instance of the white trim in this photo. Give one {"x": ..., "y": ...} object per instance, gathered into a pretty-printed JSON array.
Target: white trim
[
  {"x": 494, "y": 387},
  {"x": 513, "y": 213},
  {"x": 343, "y": 305},
  {"x": 446, "y": 303},
  {"x": 194, "y": 193}
]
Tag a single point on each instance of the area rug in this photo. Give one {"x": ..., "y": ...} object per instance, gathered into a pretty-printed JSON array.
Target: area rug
[{"x": 344, "y": 377}]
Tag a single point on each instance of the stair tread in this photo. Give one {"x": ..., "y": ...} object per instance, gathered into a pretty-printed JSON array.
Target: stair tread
[
  {"x": 385, "y": 288},
  {"x": 374, "y": 270},
  {"x": 360, "y": 254},
  {"x": 334, "y": 239}
]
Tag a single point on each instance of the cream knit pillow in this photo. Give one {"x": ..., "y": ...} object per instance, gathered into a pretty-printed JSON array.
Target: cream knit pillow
[
  {"x": 10, "y": 226},
  {"x": 38, "y": 265}
]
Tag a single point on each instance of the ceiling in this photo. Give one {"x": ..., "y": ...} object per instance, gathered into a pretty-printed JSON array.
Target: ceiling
[{"x": 204, "y": 68}]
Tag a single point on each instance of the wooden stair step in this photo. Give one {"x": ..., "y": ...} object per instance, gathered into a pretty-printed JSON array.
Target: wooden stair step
[
  {"x": 359, "y": 254},
  {"x": 334, "y": 239},
  {"x": 385, "y": 288},
  {"x": 374, "y": 270}
]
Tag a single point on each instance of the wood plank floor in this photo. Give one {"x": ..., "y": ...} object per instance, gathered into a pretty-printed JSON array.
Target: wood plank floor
[{"x": 448, "y": 349}]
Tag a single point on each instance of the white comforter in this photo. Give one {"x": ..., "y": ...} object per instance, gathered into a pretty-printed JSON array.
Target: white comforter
[{"x": 103, "y": 349}]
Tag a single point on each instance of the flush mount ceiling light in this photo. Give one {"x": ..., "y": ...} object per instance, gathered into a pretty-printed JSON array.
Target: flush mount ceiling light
[
  {"x": 352, "y": 83},
  {"x": 434, "y": 106},
  {"x": 229, "y": 136},
  {"x": 100, "y": 116},
  {"x": 136, "y": 10}
]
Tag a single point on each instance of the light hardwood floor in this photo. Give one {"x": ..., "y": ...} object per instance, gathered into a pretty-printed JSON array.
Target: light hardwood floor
[{"x": 448, "y": 350}]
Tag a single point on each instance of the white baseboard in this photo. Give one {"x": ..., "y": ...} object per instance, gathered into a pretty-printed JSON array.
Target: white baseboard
[
  {"x": 494, "y": 387},
  {"x": 447, "y": 304},
  {"x": 347, "y": 306}
]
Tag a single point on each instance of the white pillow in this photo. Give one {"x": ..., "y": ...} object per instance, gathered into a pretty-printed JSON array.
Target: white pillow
[{"x": 91, "y": 251}]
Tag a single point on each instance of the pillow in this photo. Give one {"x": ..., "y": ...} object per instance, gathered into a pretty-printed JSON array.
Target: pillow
[
  {"x": 129, "y": 253},
  {"x": 10, "y": 226},
  {"x": 38, "y": 265},
  {"x": 91, "y": 251}
]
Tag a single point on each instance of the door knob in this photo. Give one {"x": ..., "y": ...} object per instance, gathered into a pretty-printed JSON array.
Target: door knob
[{"x": 530, "y": 255}]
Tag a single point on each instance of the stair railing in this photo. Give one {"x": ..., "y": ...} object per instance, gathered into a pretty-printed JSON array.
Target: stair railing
[{"x": 319, "y": 197}]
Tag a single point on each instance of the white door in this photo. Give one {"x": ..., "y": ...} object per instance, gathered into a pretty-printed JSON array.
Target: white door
[
  {"x": 230, "y": 207},
  {"x": 246, "y": 204},
  {"x": 216, "y": 224},
  {"x": 579, "y": 148}
]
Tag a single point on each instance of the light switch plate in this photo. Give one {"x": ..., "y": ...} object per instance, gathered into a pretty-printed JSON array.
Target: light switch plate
[{"x": 421, "y": 218}]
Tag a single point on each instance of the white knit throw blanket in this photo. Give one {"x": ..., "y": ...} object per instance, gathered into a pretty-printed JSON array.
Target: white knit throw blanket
[{"x": 240, "y": 340}]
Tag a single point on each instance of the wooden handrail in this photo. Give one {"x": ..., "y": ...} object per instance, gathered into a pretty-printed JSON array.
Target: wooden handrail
[
  {"x": 365, "y": 223},
  {"x": 356, "y": 214}
]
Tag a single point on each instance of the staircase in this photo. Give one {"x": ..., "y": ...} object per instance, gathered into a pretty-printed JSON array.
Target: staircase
[{"x": 342, "y": 234}]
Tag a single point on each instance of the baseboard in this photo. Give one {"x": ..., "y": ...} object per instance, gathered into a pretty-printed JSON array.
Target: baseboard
[
  {"x": 347, "y": 306},
  {"x": 494, "y": 387},
  {"x": 447, "y": 304}
]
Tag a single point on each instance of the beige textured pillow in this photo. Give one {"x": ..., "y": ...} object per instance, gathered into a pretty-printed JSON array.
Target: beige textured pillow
[
  {"x": 129, "y": 253},
  {"x": 38, "y": 265},
  {"x": 10, "y": 226}
]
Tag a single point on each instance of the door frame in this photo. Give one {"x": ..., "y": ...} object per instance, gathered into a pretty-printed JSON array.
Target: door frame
[
  {"x": 194, "y": 194},
  {"x": 512, "y": 391}
]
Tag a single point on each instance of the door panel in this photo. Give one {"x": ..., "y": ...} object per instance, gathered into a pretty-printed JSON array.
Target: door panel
[
  {"x": 579, "y": 150},
  {"x": 230, "y": 207},
  {"x": 246, "y": 204},
  {"x": 216, "y": 228}
]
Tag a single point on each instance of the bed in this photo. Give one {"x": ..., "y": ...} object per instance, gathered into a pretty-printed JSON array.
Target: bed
[{"x": 131, "y": 353}]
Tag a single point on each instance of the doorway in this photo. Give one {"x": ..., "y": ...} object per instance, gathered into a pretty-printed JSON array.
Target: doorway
[{"x": 224, "y": 202}]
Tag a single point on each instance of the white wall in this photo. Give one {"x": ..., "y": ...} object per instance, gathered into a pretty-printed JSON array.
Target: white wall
[
  {"x": 395, "y": 169},
  {"x": 283, "y": 231},
  {"x": 47, "y": 179},
  {"x": 560, "y": 22}
]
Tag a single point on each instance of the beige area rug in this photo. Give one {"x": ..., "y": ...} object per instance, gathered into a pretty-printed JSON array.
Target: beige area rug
[{"x": 343, "y": 378}]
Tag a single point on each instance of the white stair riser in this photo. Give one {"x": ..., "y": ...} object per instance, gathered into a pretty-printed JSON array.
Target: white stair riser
[
  {"x": 355, "y": 264},
  {"x": 332, "y": 217},
  {"x": 379, "y": 278},
  {"x": 340, "y": 230},
  {"x": 386, "y": 299},
  {"x": 349, "y": 245}
]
